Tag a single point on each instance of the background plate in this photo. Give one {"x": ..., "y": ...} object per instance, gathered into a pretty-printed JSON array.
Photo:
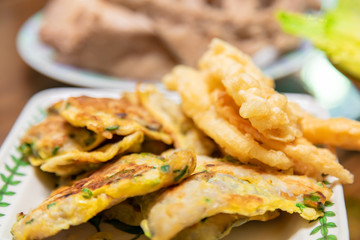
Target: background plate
[
  {"x": 41, "y": 57},
  {"x": 32, "y": 186}
]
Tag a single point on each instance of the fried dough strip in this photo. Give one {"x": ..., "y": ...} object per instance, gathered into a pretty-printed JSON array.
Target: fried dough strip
[
  {"x": 266, "y": 109},
  {"x": 307, "y": 158},
  {"x": 182, "y": 129},
  {"x": 338, "y": 132},
  {"x": 196, "y": 104}
]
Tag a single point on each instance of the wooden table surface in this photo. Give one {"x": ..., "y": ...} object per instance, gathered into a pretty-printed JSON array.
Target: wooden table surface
[{"x": 18, "y": 83}]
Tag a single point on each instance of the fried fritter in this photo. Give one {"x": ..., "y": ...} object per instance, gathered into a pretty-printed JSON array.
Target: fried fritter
[
  {"x": 266, "y": 109},
  {"x": 185, "y": 134},
  {"x": 73, "y": 162},
  {"x": 196, "y": 104},
  {"x": 108, "y": 116},
  {"x": 307, "y": 158},
  {"x": 53, "y": 137},
  {"x": 218, "y": 186},
  {"x": 338, "y": 132},
  {"x": 129, "y": 176}
]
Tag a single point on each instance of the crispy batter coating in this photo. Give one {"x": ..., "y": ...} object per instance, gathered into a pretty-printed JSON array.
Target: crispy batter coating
[
  {"x": 108, "y": 116},
  {"x": 224, "y": 187},
  {"x": 307, "y": 158},
  {"x": 182, "y": 129},
  {"x": 266, "y": 109},
  {"x": 196, "y": 104},
  {"x": 129, "y": 176},
  {"x": 338, "y": 132}
]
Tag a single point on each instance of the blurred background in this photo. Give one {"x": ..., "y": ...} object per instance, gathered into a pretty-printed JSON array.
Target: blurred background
[{"x": 111, "y": 43}]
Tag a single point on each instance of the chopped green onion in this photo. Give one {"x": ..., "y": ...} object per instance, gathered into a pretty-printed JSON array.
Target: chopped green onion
[
  {"x": 165, "y": 168},
  {"x": 181, "y": 174},
  {"x": 51, "y": 204},
  {"x": 112, "y": 128},
  {"x": 56, "y": 149},
  {"x": 87, "y": 193}
]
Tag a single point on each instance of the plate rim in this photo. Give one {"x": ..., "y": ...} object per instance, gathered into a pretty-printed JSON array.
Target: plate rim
[{"x": 28, "y": 36}]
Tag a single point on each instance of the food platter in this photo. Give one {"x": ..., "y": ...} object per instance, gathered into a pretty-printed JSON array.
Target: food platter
[
  {"x": 41, "y": 57},
  {"x": 27, "y": 186}
]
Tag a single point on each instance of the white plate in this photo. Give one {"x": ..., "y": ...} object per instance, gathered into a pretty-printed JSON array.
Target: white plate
[
  {"x": 28, "y": 190},
  {"x": 41, "y": 57}
]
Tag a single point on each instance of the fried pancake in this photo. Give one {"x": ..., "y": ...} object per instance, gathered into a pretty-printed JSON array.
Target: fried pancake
[
  {"x": 129, "y": 176},
  {"x": 185, "y": 134},
  {"x": 73, "y": 162},
  {"x": 223, "y": 187},
  {"x": 108, "y": 116},
  {"x": 53, "y": 137}
]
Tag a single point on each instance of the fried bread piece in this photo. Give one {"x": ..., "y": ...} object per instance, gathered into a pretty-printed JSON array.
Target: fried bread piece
[
  {"x": 267, "y": 110},
  {"x": 74, "y": 162},
  {"x": 53, "y": 137},
  {"x": 108, "y": 116},
  {"x": 218, "y": 186},
  {"x": 184, "y": 132},
  {"x": 129, "y": 176}
]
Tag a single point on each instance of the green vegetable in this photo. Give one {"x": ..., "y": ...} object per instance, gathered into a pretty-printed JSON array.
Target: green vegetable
[
  {"x": 181, "y": 174},
  {"x": 301, "y": 206},
  {"x": 30, "y": 221},
  {"x": 87, "y": 193},
  {"x": 51, "y": 204},
  {"x": 336, "y": 32},
  {"x": 165, "y": 168},
  {"x": 112, "y": 128},
  {"x": 56, "y": 149}
]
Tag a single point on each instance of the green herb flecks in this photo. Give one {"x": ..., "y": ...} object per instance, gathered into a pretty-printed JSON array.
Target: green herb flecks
[
  {"x": 30, "y": 221},
  {"x": 67, "y": 105},
  {"x": 56, "y": 149},
  {"x": 51, "y": 205},
  {"x": 300, "y": 206},
  {"x": 313, "y": 197},
  {"x": 112, "y": 128},
  {"x": 87, "y": 193},
  {"x": 181, "y": 174},
  {"x": 165, "y": 168}
]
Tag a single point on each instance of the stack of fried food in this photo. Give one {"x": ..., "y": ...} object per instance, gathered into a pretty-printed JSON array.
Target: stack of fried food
[{"x": 234, "y": 151}]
